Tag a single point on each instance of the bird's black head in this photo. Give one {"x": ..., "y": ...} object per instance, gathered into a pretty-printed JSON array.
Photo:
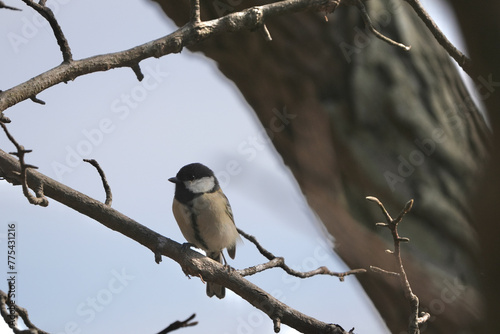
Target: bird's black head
[
  {"x": 194, "y": 171},
  {"x": 193, "y": 180}
]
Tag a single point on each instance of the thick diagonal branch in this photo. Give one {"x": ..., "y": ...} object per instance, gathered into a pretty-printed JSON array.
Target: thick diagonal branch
[{"x": 192, "y": 263}]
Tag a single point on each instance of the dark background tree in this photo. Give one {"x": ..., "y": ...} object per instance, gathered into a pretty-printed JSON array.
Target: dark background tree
[
  {"x": 375, "y": 119},
  {"x": 481, "y": 30}
]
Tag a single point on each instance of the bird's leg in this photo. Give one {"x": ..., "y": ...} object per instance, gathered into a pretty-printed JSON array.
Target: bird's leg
[
  {"x": 185, "y": 246},
  {"x": 225, "y": 264}
]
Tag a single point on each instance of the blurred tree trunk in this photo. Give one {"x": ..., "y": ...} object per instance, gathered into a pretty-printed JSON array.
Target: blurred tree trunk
[
  {"x": 481, "y": 30},
  {"x": 370, "y": 119}
]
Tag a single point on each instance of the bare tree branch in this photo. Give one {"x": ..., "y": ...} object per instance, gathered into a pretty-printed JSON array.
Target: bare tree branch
[
  {"x": 180, "y": 324},
  {"x": 107, "y": 188},
  {"x": 383, "y": 271},
  {"x": 249, "y": 19},
  {"x": 3, "y": 5},
  {"x": 12, "y": 318},
  {"x": 195, "y": 11},
  {"x": 40, "y": 198},
  {"x": 37, "y": 100},
  {"x": 280, "y": 262},
  {"x": 265, "y": 33},
  {"x": 462, "y": 60},
  {"x": 192, "y": 263},
  {"x": 392, "y": 224},
  {"x": 369, "y": 24},
  {"x": 47, "y": 13},
  {"x": 137, "y": 70}
]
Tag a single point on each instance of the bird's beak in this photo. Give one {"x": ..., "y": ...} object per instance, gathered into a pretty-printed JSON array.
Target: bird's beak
[{"x": 174, "y": 180}]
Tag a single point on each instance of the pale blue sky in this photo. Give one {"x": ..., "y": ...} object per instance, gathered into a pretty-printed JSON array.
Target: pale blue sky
[{"x": 76, "y": 276}]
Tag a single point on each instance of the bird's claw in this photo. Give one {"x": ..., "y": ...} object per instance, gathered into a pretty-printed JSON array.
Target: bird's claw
[{"x": 187, "y": 245}]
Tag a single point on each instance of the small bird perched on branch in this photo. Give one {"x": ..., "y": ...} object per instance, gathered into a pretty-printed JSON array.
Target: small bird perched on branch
[{"x": 204, "y": 215}]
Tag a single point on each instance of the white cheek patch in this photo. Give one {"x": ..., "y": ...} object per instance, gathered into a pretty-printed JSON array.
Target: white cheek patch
[{"x": 202, "y": 185}]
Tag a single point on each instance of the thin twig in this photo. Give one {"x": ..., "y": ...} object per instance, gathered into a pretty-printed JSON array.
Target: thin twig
[
  {"x": 40, "y": 198},
  {"x": 268, "y": 255},
  {"x": 279, "y": 262},
  {"x": 137, "y": 70},
  {"x": 107, "y": 188},
  {"x": 424, "y": 317},
  {"x": 4, "y": 119},
  {"x": 180, "y": 324},
  {"x": 462, "y": 60},
  {"x": 383, "y": 271},
  {"x": 369, "y": 24},
  {"x": 47, "y": 13},
  {"x": 195, "y": 11},
  {"x": 330, "y": 6},
  {"x": 277, "y": 324},
  {"x": 2, "y": 5},
  {"x": 37, "y": 100},
  {"x": 265, "y": 33},
  {"x": 417, "y": 317}
]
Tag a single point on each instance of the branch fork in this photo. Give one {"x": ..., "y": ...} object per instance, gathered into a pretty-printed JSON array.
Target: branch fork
[
  {"x": 279, "y": 262},
  {"x": 40, "y": 198},
  {"x": 417, "y": 318}
]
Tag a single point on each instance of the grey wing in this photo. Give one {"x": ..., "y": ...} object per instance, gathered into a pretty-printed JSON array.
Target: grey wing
[
  {"x": 230, "y": 250},
  {"x": 229, "y": 211}
]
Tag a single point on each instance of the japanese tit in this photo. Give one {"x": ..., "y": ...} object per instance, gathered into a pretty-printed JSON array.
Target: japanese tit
[{"x": 204, "y": 215}]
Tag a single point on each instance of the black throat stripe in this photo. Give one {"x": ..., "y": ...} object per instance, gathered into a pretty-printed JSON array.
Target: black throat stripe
[{"x": 197, "y": 233}]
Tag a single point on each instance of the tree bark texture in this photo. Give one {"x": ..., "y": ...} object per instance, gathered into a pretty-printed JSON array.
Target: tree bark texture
[{"x": 370, "y": 119}]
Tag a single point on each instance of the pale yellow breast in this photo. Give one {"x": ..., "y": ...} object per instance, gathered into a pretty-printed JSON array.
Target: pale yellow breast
[{"x": 215, "y": 226}]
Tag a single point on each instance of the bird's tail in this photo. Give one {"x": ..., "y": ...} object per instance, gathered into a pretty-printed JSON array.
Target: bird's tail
[{"x": 214, "y": 289}]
